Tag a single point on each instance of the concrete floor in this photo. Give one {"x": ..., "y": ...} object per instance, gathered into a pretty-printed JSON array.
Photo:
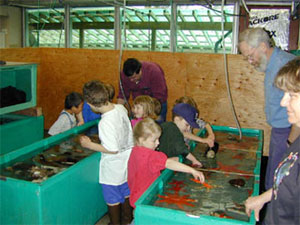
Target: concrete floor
[{"x": 103, "y": 221}]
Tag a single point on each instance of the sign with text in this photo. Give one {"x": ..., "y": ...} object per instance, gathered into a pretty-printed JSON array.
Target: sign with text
[{"x": 275, "y": 21}]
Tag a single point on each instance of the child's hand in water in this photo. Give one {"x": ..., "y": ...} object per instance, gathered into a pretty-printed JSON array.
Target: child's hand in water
[
  {"x": 198, "y": 175},
  {"x": 196, "y": 163},
  {"x": 209, "y": 141},
  {"x": 85, "y": 141}
]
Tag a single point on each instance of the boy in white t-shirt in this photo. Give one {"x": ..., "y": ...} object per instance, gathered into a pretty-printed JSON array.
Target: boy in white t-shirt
[{"x": 116, "y": 137}]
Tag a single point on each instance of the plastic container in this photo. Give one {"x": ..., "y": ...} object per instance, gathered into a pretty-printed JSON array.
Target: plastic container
[
  {"x": 73, "y": 196},
  {"x": 20, "y": 76},
  {"x": 147, "y": 212},
  {"x": 17, "y": 131}
]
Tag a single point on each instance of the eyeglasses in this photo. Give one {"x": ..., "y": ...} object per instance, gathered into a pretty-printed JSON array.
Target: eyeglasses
[{"x": 135, "y": 77}]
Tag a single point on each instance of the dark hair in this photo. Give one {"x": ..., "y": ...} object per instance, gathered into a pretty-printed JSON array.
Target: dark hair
[
  {"x": 95, "y": 92},
  {"x": 73, "y": 99},
  {"x": 131, "y": 66},
  {"x": 111, "y": 91}
]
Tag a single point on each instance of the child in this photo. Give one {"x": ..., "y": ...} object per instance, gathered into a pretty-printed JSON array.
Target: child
[
  {"x": 116, "y": 137},
  {"x": 172, "y": 139},
  {"x": 111, "y": 91},
  {"x": 143, "y": 107},
  {"x": 71, "y": 113},
  {"x": 202, "y": 124},
  {"x": 88, "y": 115},
  {"x": 157, "y": 109},
  {"x": 145, "y": 163}
]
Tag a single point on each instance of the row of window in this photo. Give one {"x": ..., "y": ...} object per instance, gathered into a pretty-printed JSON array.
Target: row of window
[{"x": 196, "y": 28}]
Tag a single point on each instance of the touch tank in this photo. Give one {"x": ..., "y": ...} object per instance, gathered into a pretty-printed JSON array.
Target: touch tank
[
  {"x": 17, "y": 92},
  {"x": 230, "y": 178},
  {"x": 52, "y": 181}
]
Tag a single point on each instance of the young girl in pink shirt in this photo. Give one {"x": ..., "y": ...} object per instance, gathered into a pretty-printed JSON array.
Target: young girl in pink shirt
[
  {"x": 143, "y": 107},
  {"x": 145, "y": 163}
]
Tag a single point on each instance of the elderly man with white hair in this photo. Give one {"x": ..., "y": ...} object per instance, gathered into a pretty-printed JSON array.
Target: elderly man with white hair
[{"x": 255, "y": 45}]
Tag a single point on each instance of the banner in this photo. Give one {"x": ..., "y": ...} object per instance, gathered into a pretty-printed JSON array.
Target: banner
[{"x": 275, "y": 21}]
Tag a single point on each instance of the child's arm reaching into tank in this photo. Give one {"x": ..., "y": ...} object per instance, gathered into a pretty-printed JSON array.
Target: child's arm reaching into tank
[
  {"x": 210, "y": 133},
  {"x": 86, "y": 142},
  {"x": 177, "y": 166},
  {"x": 209, "y": 140},
  {"x": 193, "y": 159},
  {"x": 79, "y": 118},
  {"x": 193, "y": 137}
]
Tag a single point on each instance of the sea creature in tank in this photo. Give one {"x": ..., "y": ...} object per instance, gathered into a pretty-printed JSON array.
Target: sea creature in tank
[
  {"x": 57, "y": 160},
  {"x": 40, "y": 174},
  {"x": 206, "y": 185},
  {"x": 233, "y": 137},
  {"x": 237, "y": 182},
  {"x": 212, "y": 151},
  {"x": 18, "y": 170},
  {"x": 220, "y": 213},
  {"x": 179, "y": 200},
  {"x": 28, "y": 171}
]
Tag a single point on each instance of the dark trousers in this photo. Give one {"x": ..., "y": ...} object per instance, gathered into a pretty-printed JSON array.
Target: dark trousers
[{"x": 277, "y": 148}]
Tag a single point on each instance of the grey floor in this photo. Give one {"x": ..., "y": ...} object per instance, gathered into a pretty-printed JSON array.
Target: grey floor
[{"x": 104, "y": 220}]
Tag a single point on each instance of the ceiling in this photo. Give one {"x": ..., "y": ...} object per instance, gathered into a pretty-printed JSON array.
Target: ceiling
[{"x": 94, "y": 3}]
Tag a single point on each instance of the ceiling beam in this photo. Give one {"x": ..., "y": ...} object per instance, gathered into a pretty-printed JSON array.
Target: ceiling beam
[{"x": 213, "y": 26}]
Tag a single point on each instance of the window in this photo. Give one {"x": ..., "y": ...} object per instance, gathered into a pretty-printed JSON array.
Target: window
[
  {"x": 93, "y": 27},
  {"x": 45, "y": 28},
  {"x": 199, "y": 28},
  {"x": 147, "y": 28}
]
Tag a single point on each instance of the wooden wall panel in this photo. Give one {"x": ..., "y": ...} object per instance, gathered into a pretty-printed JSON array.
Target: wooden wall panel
[
  {"x": 201, "y": 76},
  {"x": 66, "y": 70}
]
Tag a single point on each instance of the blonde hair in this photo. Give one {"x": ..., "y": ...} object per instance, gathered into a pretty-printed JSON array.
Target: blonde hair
[
  {"x": 145, "y": 128},
  {"x": 148, "y": 106},
  {"x": 187, "y": 100},
  {"x": 288, "y": 77}
]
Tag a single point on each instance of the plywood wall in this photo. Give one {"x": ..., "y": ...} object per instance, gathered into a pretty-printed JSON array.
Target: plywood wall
[{"x": 201, "y": 76}]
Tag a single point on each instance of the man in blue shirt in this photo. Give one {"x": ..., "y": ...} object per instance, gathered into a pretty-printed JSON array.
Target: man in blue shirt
[{"x": 255, "y": 45}]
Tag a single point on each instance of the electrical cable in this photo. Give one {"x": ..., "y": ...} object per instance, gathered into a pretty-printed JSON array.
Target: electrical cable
[
  {"x": 226, "y": 74},
  {"x": 220, "y": 12},
  {"x": 120, "y": 59},
  {"x": 38, "y": 30},
  {"x": 122, "y": 5},
  {"x": 245, "y": 6}
]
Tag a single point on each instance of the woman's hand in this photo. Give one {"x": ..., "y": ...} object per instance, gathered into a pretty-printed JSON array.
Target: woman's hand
[{"x": 257, "y": 202}]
